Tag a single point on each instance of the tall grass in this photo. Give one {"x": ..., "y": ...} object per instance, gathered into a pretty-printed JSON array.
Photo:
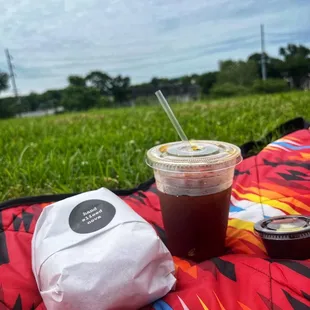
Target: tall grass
[{"x": 80, "y": 152}]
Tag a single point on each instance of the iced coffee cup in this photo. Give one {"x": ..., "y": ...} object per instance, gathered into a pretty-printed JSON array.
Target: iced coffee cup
[{"x": 194, "y": 182}]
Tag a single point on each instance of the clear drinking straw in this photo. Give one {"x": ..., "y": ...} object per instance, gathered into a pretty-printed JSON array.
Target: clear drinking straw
[{"x": 171, "y": 116}]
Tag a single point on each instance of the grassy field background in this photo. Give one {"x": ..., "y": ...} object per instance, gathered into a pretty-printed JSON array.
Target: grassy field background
[{"x": 84, "y": 151}]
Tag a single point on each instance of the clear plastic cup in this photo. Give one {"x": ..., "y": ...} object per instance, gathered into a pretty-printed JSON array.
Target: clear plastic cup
[{"x": 194, "y": 182}]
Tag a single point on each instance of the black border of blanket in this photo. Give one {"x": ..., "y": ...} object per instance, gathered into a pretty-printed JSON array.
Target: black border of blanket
[{"x": 248, "y": 149}]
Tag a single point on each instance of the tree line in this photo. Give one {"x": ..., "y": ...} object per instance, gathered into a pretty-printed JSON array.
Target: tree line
[{"x": 291, "y": 70}]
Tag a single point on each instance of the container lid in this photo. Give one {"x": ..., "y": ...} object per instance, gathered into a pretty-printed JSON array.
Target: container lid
[
  {"x": 198, "y": 156},
  {"x": 284, "y": 227}
]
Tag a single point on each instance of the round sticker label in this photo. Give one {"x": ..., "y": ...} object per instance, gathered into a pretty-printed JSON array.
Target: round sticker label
[{"x": 91, "y": 215}]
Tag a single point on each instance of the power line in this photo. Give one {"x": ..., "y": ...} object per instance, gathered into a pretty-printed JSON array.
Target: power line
[
  {"x": 12, "y": 74},
  {"x": 263, "y": 58}
]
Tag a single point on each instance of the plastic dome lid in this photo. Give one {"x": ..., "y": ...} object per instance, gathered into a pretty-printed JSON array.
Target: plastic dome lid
[
  {"x": 200, "y": 155},
  {"x": 284, "y": 227}
]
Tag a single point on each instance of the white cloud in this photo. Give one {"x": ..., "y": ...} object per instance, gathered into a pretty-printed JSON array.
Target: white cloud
[{"x": 51, "y": 39}]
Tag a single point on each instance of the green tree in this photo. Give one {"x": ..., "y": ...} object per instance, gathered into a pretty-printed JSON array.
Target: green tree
[
  {"x": 101, "y": 81},
  {"x": 52, "y": 98},
  {"x": 155, "y": 82},
  {"x": 228, "y": 90},
  {"x": 185, "y": 80},
  {"x": 296, "y": 64},
  {"x": 4, "y": 81},
  {"x": 7, "y": 107},
  {"x": 76, "y": 80},
  {"x": 294, "y": 50},
  {"x": 76, "y": 98},
  {"x": 273, "y": 65},
  {"x": 120, "y": 89},
  {"x": 270, "y": 86},
  {"x": 206, "y": 81},
  {"x": 237, "y": 72},
  {"x": 33, "y": 101}
]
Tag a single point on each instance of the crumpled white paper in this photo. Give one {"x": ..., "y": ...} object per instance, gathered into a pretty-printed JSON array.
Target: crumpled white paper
[{"x": 92, "y": 251}]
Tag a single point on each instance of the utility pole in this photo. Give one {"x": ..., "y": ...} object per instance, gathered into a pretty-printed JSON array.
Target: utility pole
[
  {"x": 12, "y": 74},
  {"x": 263, "y": 58}
]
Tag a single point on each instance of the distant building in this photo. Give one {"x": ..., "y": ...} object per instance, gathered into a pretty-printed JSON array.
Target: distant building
[
  {"x": 305, "y": 83},
  {"x": 181, "y": 92},
  {"x": 41, "y": 112}
]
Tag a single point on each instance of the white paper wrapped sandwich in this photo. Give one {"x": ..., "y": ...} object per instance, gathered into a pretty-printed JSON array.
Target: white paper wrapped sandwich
[{"x": 92, "y": 251}]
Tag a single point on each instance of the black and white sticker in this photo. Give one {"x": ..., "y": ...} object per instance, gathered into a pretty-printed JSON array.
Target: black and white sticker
[{"x": 91, "y": 215}]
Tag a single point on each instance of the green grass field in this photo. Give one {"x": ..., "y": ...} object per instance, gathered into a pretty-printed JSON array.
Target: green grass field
[{"x": 80, "y": 152}]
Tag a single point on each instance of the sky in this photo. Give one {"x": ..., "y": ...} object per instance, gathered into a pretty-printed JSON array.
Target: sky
[{"x": 52, "y": 39}]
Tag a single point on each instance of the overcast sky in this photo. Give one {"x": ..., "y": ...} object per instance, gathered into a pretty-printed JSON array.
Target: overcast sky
[{"x": 52, "y": 39}]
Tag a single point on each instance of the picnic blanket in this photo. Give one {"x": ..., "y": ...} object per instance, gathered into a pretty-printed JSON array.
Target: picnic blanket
[{"x": 274, "y": 182}]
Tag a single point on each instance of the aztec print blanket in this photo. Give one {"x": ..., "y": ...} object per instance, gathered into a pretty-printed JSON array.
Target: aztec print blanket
[{"x": 276, "y": 181}]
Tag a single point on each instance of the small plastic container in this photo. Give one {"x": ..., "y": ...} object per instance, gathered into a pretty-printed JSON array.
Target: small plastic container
[{"x": 285, "y": 237}]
